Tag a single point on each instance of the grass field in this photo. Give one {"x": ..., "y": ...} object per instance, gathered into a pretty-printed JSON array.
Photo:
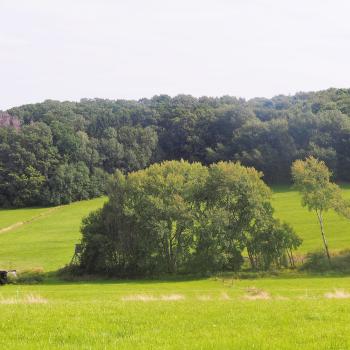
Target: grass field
[
  {"x": 290, "y": 312},
  {"x": 288, "y": 207},
  {"x": 46, "y": 242},
  {"x": 47, "y": 237},
  {"x": 10, "y": 217}
]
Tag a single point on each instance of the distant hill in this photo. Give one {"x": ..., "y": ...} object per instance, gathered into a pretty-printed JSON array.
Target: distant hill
[{"x": 55, "y": 152}]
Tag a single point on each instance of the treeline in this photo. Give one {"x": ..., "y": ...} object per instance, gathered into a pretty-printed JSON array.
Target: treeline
[
  {"x": 57, "y": 152},
  {"x": 178, "y": 217}
]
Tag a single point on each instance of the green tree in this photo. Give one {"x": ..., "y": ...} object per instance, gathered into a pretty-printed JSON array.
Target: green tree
[
  {"x": 319, "y": 194},
  {"x": 181, "y": 217}
]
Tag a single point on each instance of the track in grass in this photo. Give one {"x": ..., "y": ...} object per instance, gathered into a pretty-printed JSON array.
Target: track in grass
[
  {"x": 9, "y": 217},
  {"x": 33, "y": 218},
  {"x": 46, "y": 241}
]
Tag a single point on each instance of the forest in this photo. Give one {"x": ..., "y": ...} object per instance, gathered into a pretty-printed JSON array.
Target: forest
[{"x": 54, "y": 152}]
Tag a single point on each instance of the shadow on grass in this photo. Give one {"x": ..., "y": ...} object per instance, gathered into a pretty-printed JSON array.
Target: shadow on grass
[
  {"x": 54, "y": 279},
  {"x": 284, "y": 188},
  {"x": 315, "y": 265}
]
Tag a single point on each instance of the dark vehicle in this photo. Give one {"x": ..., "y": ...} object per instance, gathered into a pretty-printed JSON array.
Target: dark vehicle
[{"x": 3, "y": 276}]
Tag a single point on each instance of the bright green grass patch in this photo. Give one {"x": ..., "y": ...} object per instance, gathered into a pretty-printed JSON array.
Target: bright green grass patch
[
  {"x": 295, "y": 313},
  {"x": 270, "y": 313},
  {"x": 287, "y": 204},
  {"x": 9, "y": 217},
  {"x": 47, "y": 242}
]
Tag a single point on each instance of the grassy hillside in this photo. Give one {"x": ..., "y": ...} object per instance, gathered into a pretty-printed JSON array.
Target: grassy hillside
[
  {"x": 47, "y": 236},
  {"x": 288, "y": 207},
  {"x": 13, "y": 216},
  {"x": 270, "y": 313},
  {"x": 48, "y": 240},
  {"x": 292, "y": 313}
]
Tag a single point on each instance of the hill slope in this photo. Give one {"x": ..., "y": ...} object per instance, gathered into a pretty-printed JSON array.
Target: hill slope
[
  {"x": 46, "y": 236},
  {"x": 48, "y": 240},
  {"x": 287, "y": 204}
]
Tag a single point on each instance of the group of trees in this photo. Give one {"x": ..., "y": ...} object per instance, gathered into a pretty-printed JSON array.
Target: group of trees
[
  {"x": 55, "y": 152},
  {"x": 181, "y": 217},
  {"x": 49, "y": 158}
]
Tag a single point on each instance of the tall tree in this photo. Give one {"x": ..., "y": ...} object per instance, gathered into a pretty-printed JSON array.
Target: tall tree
[{"x": 319, "y": 194}]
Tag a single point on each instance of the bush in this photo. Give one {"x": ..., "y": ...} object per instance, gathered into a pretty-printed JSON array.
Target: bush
[
  {"x": 32, "y": 276},
  {"x": 70, "y": 272},
  {"x": 341, "y": 261},
  {"x": 318, "y": 262}
]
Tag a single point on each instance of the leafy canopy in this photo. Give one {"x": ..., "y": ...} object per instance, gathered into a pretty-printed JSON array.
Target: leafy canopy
[
  {"x": 312, "y": 179},
  {"x": 181, "y": 217}
]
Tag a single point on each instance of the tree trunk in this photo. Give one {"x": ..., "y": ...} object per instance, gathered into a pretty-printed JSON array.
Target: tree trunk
[
  {"x": 166, "y": 245},
  {"x": 251, "y": 259},
  {"x": 320, "y": 219},
  {"x": 292, "y": 258},
  {"x": 291, "y": 263}
]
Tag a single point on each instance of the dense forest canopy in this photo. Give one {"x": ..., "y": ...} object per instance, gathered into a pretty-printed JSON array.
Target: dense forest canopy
[{"x": 56, "y": 152}]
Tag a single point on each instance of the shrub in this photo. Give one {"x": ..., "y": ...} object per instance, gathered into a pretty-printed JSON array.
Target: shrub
[
  {"x": 31, "y": 276},
  {"x": 318, "y": 262}
]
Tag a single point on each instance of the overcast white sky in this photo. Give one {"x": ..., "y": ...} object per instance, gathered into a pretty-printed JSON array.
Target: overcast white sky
[{"x": 69, "y": 49}]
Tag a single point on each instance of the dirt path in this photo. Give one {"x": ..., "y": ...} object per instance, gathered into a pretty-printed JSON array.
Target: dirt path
[{"x": 21, "y": 223}]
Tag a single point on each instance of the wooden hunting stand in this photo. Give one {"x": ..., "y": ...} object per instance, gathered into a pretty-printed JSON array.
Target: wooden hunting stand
[{"x": 77, "y": 252}]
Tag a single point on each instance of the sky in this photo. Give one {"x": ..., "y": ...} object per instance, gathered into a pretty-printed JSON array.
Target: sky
[{"x": 130, "y": 49}]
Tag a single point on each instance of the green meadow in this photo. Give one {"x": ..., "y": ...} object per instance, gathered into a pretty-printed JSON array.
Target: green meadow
[
  {"x": 12, "y": 216},
  {"x": 280, "y": 313},
  {"x": 291, "y": 311},
  {"x": 47, "y": 236},
  {"x": 48, "y": 240},
  {"x": 287, "y": 204}
]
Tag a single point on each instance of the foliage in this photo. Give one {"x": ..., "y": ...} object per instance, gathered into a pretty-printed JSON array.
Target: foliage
[
  {"x": 287, "y": 204},
  {"x": 31, "y": 276},
  {"x": 48, "y": 237},
  {"x": 39, "y": 141},
  {"x": 317, "y": 262},
  {"x": 178, "y": 217},
  {"x": 312, "y": 179}
]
